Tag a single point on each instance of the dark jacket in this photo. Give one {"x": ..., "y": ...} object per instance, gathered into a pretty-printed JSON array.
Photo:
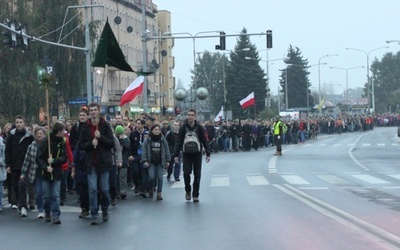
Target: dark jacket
[
  {"x": 75, "y": 134},
  {"x": 136, "y": 138},
  {"x": 126, "y": 149},
  {"x": 59, "y": 154},
  {"x": 200, "y": 134},
  {"x": 101, "y": 156},
  {"x": 16, "y": 147}
]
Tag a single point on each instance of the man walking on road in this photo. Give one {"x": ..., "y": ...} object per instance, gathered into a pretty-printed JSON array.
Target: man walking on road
[
  {"x": 97, "y": 141},
  {"x": 190, "y": 141},
  {"x": 278, "y": 130}
]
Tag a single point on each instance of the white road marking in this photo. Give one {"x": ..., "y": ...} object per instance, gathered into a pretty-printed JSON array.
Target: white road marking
[
  {"x": 337, "y": 145},
  {"x": 391, "y": 187},
  {"x": 396, "y": 176},
  {"x": 322, "y": 145},
  {"x": 178, "y": 184},
  {"x": 366, "y": 144},
  {"x": 314, "y": 188},
  {"x": 295, "y": 180},
  {"x": 256, "y": 180},
  {"x": 332, "y": 179},
  {"x": 381, "y": 144},
  {"x": 370, "y": 179},
  {"x": 220, "y": 181}
]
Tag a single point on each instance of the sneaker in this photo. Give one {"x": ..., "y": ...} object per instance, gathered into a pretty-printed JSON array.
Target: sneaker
[
  {"x": 123, "y": 196},
  {"x": 177, "y": 179},
  {"x": 143, "y": 194},
  {"x": 188, "y": 196},
  {"x": 105, "y": 216},
  {"x": 196, "y": 199},
  {"x": 40, "y": 215},
  {"x": 83, "y": 214},
  {"x": 95, "y": 221},
  {"x": 14, "y": 206},
  {"x": 32, "y": 207},
  {"x": 159, "y": 197},
  {"x": 56, "y": 220},
  {"x": 151, "y": 195},
  {"x": 168, "y": 178},
  {"x": 47, "y": 218},
  {"x": 136, "y": 190},
  {"x": 24, "y": 212},
  {"x": 113, "y": 202}
]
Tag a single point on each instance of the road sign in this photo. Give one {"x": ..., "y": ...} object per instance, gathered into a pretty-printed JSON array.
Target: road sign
[{"x": 77, "y": 101}]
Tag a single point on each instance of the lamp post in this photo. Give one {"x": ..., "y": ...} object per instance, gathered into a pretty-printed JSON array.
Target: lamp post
[
  {"x": 368, "y": 80},
  {"x": 347, "y": 81},
  {"x": 319, "y": 78},
  {"x": 194, "y": 52}
]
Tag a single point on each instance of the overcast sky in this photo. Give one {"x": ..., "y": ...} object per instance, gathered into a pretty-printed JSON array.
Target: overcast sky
[{"x": 316, "y": 27}]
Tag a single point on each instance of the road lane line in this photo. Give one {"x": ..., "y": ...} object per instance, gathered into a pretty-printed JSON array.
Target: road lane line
[
  {"x": 272, "y": 162},
  {"x": 314, "y": 188},
  {"x": 391, "y": 187},
  {"x": 256, "y": 180},
  {"x": 295, "y": 180},
  {"x": 379, "y": 235},
  {"x": 396, "y": 176},
  {"x": 370, "y": 179},
  {"x": 381, "y": 144},
  {"x": 220, "y": 181},
  {"x": 350, "y": 152},
  {"x": 332, "y": 179}
]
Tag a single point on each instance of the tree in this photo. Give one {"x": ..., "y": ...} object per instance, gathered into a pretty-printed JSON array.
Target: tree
[
  {"x": 297, "y": 79},
  {"x": 208, "y": 73},
  {"x": 386, "y": 80},
  {"x": 243, "y": 77}
]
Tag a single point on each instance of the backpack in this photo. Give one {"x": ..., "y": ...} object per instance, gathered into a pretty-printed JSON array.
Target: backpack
[
  {"x": 191, "y": 143},
  {"x": 284, "y": 128}
]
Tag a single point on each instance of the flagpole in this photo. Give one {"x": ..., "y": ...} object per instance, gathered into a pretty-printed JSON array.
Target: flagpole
[
  {"x": 255, "y": 111},
  {"x": 105, "y": 73},
  {"x": 144, "y": 56}
]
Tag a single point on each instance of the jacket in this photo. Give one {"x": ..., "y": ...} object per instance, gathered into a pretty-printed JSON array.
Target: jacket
[
  {"x": 101, "y": 156},
  {"x": 58, "y": 152},
  {"x": 16, "y": 148},
  {"x": 181, "y": 138},
  {"x": 30, "y": 165},
  {"x": 3, "y": 173},
  {"x": 146, "y": 153}
]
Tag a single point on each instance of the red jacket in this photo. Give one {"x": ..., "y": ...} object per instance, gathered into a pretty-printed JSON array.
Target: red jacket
[{"x": 65, "y": 166}]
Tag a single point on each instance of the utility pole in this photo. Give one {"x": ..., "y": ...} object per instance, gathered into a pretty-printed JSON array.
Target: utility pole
[{"x": 144, "y": 56}]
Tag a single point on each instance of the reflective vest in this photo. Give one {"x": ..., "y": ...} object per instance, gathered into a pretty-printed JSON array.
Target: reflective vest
[{"x": 277, "y": 130}]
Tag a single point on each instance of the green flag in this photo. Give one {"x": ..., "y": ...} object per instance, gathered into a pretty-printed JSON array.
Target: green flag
[{"x": 108, "y": 51}]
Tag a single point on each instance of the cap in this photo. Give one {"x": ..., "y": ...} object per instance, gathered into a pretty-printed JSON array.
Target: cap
[{"x": 119, "y": 130}]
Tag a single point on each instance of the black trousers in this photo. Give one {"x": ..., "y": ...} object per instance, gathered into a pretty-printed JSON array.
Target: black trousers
[
  {"x": 278, "y": 143},
  {"x": 192, "y": 163}
]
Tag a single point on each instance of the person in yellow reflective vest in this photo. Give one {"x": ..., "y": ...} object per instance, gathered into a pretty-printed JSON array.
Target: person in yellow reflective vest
[{"x": 278, "y": 131}]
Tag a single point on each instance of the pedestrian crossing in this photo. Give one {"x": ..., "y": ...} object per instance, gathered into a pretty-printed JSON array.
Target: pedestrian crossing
[{"x": 318, "y": 180}]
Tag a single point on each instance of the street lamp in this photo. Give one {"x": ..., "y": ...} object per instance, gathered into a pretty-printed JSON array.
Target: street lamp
[
  {"x": 347, "y": 81},
  {"x": 368, "y": 84},
  {"x": 319, "y": 78}
]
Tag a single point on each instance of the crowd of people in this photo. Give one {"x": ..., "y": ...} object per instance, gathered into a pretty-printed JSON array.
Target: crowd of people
[{"x": 102, "y": 160}]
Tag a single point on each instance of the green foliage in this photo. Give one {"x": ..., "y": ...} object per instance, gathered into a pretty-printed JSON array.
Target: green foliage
[
  {"x": 297, "y": 79},
  {"x": 243, "y": 77},
  {"x": 19, "y": 87}
]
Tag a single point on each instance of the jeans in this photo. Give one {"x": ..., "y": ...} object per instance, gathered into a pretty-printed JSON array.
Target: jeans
[
  {"x": 175, "y": 167},
  {"x": 156, "y": 171},
  {"x": 226, "y": 143},
  {"x": 39, "y": 194},
  {"x": 302, "y": 139},
  {"x": 135, "y": 165},
  {"x": 104, "y": 187},
  {"x": 192, "y": 163},
  {"x": 122, "y": 178},
  {"x": 234, "y": 143},
  {"x": 51, "y": 197}
]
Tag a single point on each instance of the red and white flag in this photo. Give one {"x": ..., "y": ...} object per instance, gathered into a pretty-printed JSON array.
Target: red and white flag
[
  {"x": 133, "y": 90},
  {"x": 248, "y": 101}
]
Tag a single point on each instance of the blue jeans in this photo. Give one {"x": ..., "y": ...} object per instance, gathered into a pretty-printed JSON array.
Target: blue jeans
[
  {"x": 226, "y": 143},
  {"x": 39, "y": 194},
  {"x": 51, "y": 197},
  {"x": 302, "y": 139},
  {"x": 156, "y": 171},
  {"x": 104, "y": 188}
]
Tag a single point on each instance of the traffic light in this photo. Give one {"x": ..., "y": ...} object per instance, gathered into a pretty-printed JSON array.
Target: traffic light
[
  {"x": 222, "y": 43},
  {"x": 39, "y": 73},
  {"x": 269, "y": 39},
  {"x": 23, "y": 40},
  {"x": 7, "y": 35}
]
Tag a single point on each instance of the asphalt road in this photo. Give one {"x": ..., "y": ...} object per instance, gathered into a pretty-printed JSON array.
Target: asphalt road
[{"x": 336, "y": 192}]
